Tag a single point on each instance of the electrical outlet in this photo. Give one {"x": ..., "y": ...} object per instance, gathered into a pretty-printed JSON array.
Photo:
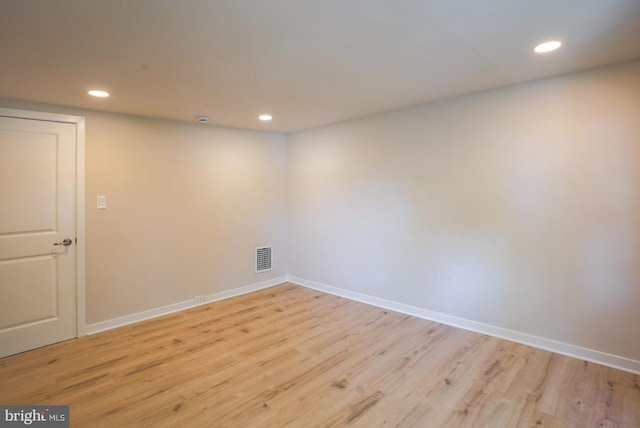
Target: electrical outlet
[{"x": 199, "y": 299}]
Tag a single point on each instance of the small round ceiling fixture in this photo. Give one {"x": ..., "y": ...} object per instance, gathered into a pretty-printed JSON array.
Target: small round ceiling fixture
[
  {"x": 549, "y": 46},
  {"x": 265, "y": 117},
  {"x": 202, "y": 119},
  {"x": 98, "y": 93}
]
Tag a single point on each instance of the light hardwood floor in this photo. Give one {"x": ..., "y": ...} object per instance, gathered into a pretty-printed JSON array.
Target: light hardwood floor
[{"x": 290, "y": 356}]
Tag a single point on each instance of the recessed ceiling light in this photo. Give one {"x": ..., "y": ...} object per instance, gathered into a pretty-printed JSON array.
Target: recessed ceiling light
[
  {"x": 265, "y": 117},
  {"x": 547, "y": 46},
  {"x": 97, "y": 93}
]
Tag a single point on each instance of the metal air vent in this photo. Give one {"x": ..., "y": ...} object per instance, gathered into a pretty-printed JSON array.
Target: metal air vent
[{"x": 264, "y": 259}]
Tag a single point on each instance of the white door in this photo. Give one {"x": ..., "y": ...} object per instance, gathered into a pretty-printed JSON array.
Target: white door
[{"x": 37, "y": 214}]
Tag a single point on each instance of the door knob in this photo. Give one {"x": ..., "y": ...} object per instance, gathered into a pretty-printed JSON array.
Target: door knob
[{"x": 66, "y": 242}]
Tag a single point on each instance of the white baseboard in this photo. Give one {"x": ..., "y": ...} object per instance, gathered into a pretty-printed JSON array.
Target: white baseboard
[
  {"x": 603, "y": 358},
  {"x": 175, "y": 307},
  {"x": 244, "y": 290}
]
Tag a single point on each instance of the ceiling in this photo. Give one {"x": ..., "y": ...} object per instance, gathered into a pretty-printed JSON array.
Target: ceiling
[{"x": 306, "y": 62}]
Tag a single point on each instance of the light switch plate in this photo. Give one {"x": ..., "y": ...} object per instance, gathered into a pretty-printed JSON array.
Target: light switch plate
[{"x": 102, "y": 203}]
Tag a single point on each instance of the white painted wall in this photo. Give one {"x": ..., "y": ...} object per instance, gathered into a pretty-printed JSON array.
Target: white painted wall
[
  {"x": 187, "y": 204},
  {"x": 518, "y": 208}
]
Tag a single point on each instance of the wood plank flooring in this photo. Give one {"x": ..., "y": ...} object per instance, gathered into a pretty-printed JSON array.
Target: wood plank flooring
[{"x": 288, "y": 356}]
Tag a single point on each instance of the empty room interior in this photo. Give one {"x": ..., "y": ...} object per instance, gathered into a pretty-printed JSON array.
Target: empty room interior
[{"x": 241, "y": 213}]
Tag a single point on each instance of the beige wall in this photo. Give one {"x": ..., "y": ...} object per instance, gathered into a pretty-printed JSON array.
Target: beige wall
[
  {"x": 518, "y": 207},
  {"x": 187, "y": 205}
]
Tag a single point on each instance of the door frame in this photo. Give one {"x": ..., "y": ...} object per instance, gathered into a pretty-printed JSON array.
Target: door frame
[{"x": 78, "y": 121}]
